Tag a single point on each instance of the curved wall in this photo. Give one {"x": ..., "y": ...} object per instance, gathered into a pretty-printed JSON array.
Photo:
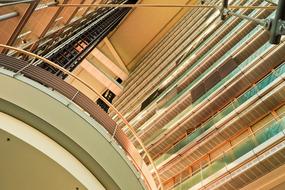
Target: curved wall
[
  {"x": 21, "y": 159},
  {"x": 72, "y": 128}
]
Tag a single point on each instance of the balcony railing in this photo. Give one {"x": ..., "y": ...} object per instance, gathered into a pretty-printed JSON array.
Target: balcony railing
[
  {"x": 248, "y": 61},
  {"x": 38, "y": 74},
  {"x": 256, "y": 139},
  {"x": 226, "y": 111}
]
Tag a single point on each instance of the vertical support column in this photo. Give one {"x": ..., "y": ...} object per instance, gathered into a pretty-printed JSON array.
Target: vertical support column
[
  {"x": 276, "y": 24},
  {"x": 224, "y": 6},
  {"x": 109, "y": 64}
]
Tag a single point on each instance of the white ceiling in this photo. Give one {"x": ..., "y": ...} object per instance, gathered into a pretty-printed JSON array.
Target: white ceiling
[{"x": 25, "y": 168}]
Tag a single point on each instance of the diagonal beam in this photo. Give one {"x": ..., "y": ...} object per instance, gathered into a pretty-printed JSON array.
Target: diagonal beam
[
  {"x": 115, "y": 53},
  {"x": 109, "y": 64},
  {"x": 166, "y": 5},
  {"x": 101, "y": 77}
]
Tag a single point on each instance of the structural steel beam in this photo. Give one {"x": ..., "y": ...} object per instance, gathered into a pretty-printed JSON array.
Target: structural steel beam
[
  {"x": 277, "y": 26},
  {"x": 115, "y": 53},
  {"x": 9, "y": 15},
  {"x": 165, "y": 6}
]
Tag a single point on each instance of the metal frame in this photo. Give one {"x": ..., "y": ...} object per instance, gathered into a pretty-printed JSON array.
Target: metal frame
[
  {"x": 9, "y": 3},
  {"x": 275, "y": 26},
  {"x": 9, "y": 15}
]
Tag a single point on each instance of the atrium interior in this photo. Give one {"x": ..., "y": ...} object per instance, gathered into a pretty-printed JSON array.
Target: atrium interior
[{"x": 142, "y": 94}]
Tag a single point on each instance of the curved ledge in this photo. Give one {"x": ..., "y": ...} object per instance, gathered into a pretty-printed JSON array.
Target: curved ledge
[
  {"x": 32, "y": 137},
  {"x": 60, "y": 138},
  {"x": 46, "y": 78},
  {"x": 117, "y": 166}
]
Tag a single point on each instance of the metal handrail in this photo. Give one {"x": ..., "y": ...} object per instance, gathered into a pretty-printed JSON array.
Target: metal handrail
[
  {"x": 165, "y": 6},
  {"x": 160, "y": 186},
  {"x": 15, "y": 3}
]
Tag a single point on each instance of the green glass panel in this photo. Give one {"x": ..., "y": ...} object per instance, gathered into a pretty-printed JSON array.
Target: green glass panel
[
  {"x": 280, "y": 70},
  {"x": 250, "y": 93},
  {"x": 265, "y": 134},
  {"x": 267, "y": 80},
  {"x": 217, "y": 165},
  {"x": 228, "y": 110},
  {"x": 193, "y": 180},
  {"x": 243, "y": 148}
]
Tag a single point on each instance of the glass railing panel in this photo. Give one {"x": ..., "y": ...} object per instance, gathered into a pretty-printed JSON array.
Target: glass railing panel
[
  {"x": 196, "y": 178},
  {"x": 239, "y": 150},
  {"x": 215, "y": 48},
  {"x": 207, "y": 125},
  {"x": 226, "y": 111},
  {"x": 270, "y": 78},
  {"x": 280, "y": 70},
  {"x": 261, "y": 136},
  {"x": 231, "y": 107},
  {"x": 268, "y": 133},
  {"x": 250, "y": 93},
  {"x": 216, "y": 165},
  {"x": 270, "y": 130}
]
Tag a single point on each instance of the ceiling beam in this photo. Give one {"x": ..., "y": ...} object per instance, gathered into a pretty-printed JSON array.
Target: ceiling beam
[
  {"x": 115, "y": 53},
  {"x": 166, "y": 5},
  {"x": 9, "y": 15},
  {"x": 9, "y": 3},
  {"x": 115, "y": 69},
  {"x": 96, "y": 73}
]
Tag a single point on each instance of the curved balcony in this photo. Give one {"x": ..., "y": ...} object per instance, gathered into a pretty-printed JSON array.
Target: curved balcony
[{"x": 74, "y": 122}]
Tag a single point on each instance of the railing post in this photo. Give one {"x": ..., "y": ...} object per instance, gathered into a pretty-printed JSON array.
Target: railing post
[
  {"x": 277, "y": 25},
  {"x": 114, "y": 133},
  {"x": 22, "y": 69},
  {"x": 73, "y": 97},
  {"x": 224, "y": 6}
]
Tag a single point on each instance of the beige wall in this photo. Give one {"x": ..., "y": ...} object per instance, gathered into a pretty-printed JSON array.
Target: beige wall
[{"x": 31, "y": 160}]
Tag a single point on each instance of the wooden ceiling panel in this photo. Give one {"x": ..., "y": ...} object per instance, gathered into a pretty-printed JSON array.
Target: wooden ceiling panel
[
  {"x": 9, "y": 26},
  {"x": 69, "y": 12},
  {"x": 40, "y": 20}
]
